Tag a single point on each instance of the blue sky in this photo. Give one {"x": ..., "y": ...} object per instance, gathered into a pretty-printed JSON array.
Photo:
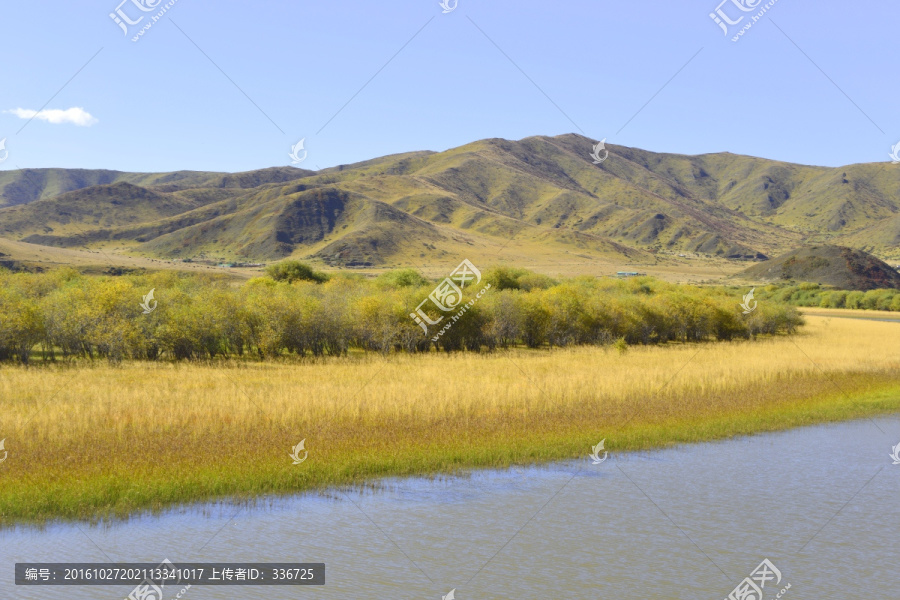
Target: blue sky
[{"x": 231, "y": 86}]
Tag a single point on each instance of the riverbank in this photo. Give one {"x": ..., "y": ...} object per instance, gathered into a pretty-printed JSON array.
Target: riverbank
[
  {"x": 847, "y": 313},
  {"x": 87, "y": 442}
]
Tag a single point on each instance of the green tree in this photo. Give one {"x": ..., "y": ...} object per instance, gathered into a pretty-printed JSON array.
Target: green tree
[{"x": 292, "y": 270}]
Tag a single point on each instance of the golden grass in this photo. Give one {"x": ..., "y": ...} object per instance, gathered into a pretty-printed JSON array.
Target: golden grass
[{"x": 93, "y": 440}]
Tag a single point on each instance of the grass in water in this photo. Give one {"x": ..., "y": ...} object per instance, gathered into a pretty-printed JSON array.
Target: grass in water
[{"x": 92, "y": 441}]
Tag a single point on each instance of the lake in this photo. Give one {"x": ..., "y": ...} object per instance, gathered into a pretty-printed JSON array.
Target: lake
[{"x": 821, "y": 503}]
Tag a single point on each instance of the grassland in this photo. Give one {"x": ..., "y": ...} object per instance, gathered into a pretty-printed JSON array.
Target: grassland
[
  {"x": 90, "y": 441},
  {"x": 35, "y": 257},
  {"x": 535, "y": 255}
]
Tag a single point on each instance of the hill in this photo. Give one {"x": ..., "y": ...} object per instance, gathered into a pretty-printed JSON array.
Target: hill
[
  {"x": 22, "y": 186},
  {"x": 540, "y": 200},
  {"x": 841, "y": 267}
]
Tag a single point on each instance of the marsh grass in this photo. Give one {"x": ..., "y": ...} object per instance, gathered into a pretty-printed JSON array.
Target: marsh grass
[{"x": 97, "y": 440}]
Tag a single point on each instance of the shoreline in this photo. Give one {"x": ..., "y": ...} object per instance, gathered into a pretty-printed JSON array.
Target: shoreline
[
  {"x": 255, "y": 501},
  {"x": 437, "y": 460},
  {"x": 132, "y": 439}
]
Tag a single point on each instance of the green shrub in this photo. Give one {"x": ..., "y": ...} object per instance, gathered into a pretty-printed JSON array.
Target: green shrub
[
  {"x": 293, "y": 312},
  {"x": 855, "y": 299},
  {"x": 292, "y": 270},
  {"x": 402, "y": 278},
  {"x": 504, "y": 278}
]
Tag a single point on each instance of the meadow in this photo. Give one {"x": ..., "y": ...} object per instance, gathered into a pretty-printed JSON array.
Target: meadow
[{"x": 93, "y": 439}]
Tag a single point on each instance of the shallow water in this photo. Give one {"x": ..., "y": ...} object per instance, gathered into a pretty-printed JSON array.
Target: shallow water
[
  {"x": 857, "y": 317},
  {"x": 822, "y": 503}
]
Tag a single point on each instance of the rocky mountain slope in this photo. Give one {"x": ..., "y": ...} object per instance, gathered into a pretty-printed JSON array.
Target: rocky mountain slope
[{"x": 541, "y": 193}]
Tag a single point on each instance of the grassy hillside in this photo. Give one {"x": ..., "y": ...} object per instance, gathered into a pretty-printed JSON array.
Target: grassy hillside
[
  {"x": 837, "y": 266},
  {"x": 541, "y": 198},
  {"x": 22, "y": 186}
]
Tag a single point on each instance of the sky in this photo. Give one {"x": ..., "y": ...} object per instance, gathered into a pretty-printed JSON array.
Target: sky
[{"x": 233, "y": 86}]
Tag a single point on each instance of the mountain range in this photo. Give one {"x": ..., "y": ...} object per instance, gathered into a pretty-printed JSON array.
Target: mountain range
[{"x": 541, "y": 196}]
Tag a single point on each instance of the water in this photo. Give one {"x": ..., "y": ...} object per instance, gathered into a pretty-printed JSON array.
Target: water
[
  {"x": 860, "y": 318},
  {"x": 821, "y": 503}
]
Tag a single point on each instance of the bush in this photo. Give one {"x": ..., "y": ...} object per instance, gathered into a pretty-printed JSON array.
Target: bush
[
  {"x": 202, "y": 317},
  {"x": 401, "y": 278},
  {"x": 504, "y": 278},
  {"x": 855, "y": 299},
  {"x": 292, "y": 270},
  {"x": 812, "y": 294}
]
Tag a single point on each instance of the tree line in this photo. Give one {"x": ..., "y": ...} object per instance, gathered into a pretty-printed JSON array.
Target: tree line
[
  {"x": 63, "y": 314},
  {"x": 813, "y": 294}
]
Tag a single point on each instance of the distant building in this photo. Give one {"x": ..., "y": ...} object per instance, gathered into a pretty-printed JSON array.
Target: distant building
[{"x": 629, "y": 274}]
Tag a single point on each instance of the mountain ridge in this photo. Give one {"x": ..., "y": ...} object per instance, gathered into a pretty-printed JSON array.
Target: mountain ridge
[{"x": 544, "y": 192}]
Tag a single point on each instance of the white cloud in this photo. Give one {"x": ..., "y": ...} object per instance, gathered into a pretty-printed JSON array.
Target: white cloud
[{"x": 75, "y": 115}]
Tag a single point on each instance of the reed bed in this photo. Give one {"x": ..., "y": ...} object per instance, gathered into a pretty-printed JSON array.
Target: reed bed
[{"x": 93, "y": 439}]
